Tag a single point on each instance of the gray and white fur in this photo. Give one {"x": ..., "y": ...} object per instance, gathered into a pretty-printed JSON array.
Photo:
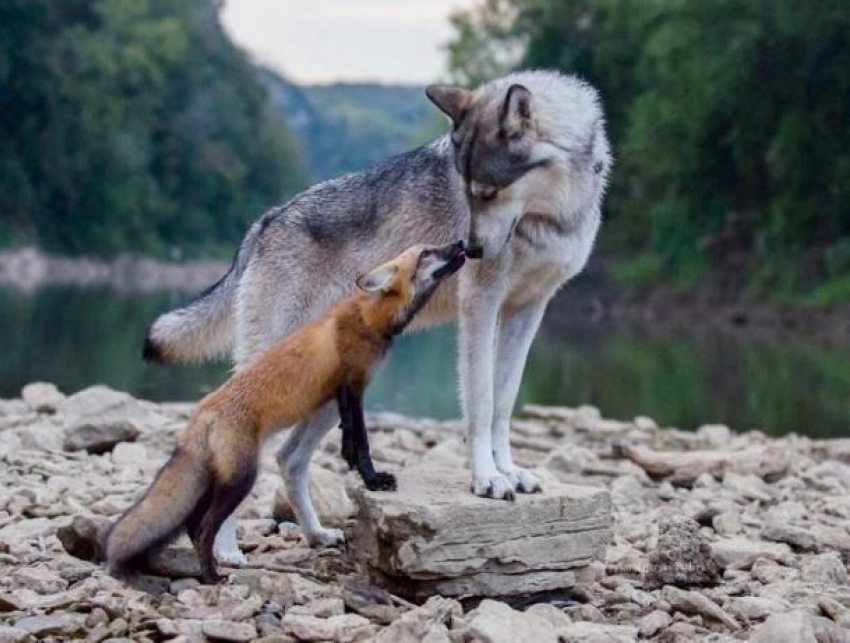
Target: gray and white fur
[{"x": 521, "y": 177}]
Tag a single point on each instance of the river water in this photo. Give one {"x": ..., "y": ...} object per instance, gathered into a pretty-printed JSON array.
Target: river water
[{"x": 681, "y": 377}]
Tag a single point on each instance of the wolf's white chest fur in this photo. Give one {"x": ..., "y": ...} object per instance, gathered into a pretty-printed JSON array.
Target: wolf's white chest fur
[{"x": 560, "y": 220}]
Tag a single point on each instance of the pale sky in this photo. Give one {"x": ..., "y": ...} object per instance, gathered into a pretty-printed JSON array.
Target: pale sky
[{"x": 319, "y": 41}]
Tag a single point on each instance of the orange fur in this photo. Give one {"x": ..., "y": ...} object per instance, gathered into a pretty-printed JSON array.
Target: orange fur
[{"x": 217, "y": 452}]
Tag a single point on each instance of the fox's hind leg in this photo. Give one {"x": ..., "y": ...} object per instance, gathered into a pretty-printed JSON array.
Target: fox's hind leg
[
  {"x": 226, "y": 496},
  {"x": 294, "y": 461}
]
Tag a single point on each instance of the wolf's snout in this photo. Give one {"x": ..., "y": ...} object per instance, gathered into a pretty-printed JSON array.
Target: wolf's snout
[{"x": 475, "y": 250}]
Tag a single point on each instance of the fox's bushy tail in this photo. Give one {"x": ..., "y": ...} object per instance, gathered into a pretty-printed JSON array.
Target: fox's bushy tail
[
  {"x": 164, "y": 509},
  {"x": 203, "y": 327}
]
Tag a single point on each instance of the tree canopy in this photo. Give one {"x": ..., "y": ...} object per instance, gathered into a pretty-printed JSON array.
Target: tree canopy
[
  {"x": 731, "y": 127},
  {"x": 132, "y": 125}
]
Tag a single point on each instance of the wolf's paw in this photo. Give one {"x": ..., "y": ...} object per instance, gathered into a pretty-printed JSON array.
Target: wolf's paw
[
  {"x": 325, "y": 538},
  {"x": 381, "y": 482},
  {"x": 492, "y": 485},
  {"x": 522, "y": 480},
  {"x": 231, "y": 557}
]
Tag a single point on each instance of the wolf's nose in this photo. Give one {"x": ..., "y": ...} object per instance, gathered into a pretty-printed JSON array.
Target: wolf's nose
[{"x": 475, "y": 252}]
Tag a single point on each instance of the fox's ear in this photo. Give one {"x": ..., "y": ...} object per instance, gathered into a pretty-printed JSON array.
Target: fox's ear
[
  {"x": 379, "y": 279},
  {"x": 452, "y": 100},
  {"x": 515, "y": 113}
]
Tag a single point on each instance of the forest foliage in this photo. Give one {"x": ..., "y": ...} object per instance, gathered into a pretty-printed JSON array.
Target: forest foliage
[
  {"x": 342, "y": 127},
  {"x": 731, "y": 127},
  {"x": 133, "y": 126}
]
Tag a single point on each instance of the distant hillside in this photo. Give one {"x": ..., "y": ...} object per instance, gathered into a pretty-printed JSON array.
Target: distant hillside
[{"x": 344, "y": 127}]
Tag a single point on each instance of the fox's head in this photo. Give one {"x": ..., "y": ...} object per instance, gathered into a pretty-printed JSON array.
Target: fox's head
[{"x": 400, "y": 287}]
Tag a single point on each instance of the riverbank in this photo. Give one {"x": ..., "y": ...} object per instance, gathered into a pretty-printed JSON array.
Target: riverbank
[
  {"x": 716, "y": 535},
  {"x": 28, "y": 269},
  {"x": 593, "y": 295}
]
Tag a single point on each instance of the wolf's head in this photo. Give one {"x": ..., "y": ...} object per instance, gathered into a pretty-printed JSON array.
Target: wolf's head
[
  {"x": 510, "y": 139},
  {"x": 400, "y": 287}
]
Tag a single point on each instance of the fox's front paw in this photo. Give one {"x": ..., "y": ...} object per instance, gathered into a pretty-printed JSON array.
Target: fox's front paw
[
  {"x": 492, "y": 485},
  {"x": 522, "y": 480},
  {"x": 325, "y": 538},
  {"x": 381, "y": 482}
]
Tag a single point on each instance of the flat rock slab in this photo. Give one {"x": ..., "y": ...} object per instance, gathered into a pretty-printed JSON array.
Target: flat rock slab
[{"x": 432, "y": 536}]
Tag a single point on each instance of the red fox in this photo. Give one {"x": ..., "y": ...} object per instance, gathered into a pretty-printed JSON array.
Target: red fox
[{"x": 214, "y": 464}]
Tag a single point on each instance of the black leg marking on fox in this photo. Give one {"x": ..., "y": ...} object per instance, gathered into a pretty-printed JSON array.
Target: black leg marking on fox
[
  {"x": 355, "y": 440},
  {"x": 225, "y": 498}
]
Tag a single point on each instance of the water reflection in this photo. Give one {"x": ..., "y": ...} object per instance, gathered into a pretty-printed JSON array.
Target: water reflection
[{"x": 685, "y": 377}]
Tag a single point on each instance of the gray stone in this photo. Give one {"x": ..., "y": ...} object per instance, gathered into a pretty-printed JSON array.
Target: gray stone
[
  {"x": 58, "y": 624},
  {"x": 727, "y": 523},
  {"x": 229, "y": 631},
  {"x": 682, "y": 556},
  {"x": 433, "y": 536},
  {"x": 98, "y": 418},
  {"x": 129, "y": 454},
  {"x": 653, "y": 623},
  {"x": 741, "y": 553},
  {"x": 794, "y": 536},
  {"x": 39, "y": 579},
  {"x": 341, "y": 629},
  {"x": 588, "y": 632},
  {"x": 495, "y": 622},
  {"x": 689, "y": 602},
  {"x": 798, "y": 627},
  {"x": 753, "y": 608},
  {"x": 81, "y": 538},
  {"x": 428, "y": 622},
  {"x": 42, "y": 397},
  {"x": 825, "y": 569},
  {"x": 10, "y": 634}
]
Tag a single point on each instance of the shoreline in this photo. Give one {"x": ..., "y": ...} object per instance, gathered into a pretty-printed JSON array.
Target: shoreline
[
  {"x": 591, "y": 296},
  {"x": 28, "y": 269},
  {"x": 716, "y": 535}
]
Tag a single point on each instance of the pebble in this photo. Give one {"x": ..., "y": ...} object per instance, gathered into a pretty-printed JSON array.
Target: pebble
[{"x": 763, "y": 561}]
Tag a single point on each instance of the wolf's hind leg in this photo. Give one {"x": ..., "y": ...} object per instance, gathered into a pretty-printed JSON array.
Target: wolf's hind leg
[
  {"x": 226, "y": 496},
  {"x": 293, "y": 459},
  {"x": 516, "y": 332}
]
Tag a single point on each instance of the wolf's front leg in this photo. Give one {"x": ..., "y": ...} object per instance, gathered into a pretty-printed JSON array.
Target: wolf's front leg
[
  {"x": 480, "y": 299},
  {"x": 517, "y": 329},
  {"x": 226, "y": 547},
  {"x": 293, "y": 459}
]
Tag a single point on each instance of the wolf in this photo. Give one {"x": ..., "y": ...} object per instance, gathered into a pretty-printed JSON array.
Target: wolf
[
  {"x": 521, "y": 176},
  {"x": 330, "y": 358}
]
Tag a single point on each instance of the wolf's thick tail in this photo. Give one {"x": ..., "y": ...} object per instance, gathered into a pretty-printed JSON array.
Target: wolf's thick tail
[
  {"x": 203, "y": 327},
  {"x": 165, "y": 508}
]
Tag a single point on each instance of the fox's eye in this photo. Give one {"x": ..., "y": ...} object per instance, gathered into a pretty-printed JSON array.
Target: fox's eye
[{"x": 489, "y": 194}]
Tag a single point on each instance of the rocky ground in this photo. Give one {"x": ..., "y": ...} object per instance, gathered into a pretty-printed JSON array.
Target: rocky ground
[{"x": 718, "y": 536}]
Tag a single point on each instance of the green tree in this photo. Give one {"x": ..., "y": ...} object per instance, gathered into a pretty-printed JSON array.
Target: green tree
[
  {"x": 132, "y": 125},
  {"x": 730, "y": 121}
]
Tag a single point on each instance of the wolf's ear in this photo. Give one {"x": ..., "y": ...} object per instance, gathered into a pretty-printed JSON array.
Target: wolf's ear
[
  {"x": 452, "y": 100},
  {"x": 379, "y": 279},
  {"x": 515, "y": 113}
]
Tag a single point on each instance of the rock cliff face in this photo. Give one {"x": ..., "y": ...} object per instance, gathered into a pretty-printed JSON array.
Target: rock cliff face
[{"x": 713, "y": 535}]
